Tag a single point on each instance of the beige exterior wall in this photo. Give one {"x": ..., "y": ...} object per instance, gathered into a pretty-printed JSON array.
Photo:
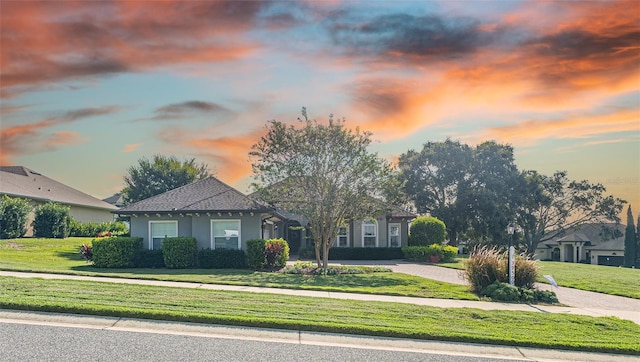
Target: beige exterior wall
[{"x": 596, "y": 253}]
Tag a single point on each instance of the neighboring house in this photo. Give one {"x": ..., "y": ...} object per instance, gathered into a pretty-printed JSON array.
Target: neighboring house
[
  {"x": 19, "y": 181},
  {"x": 588, "y": 243},
  {"x": 215, "y": 214},
  {"x": 219, "y": 216},
  {"x": 115, "y": 199}
]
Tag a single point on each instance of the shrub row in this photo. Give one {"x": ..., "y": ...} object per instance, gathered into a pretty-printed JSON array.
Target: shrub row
[
  {"x": 51, "y": 221},
  {"x": 93, "y": 229},
  {"x": 443, "y": 253},
  {"x": 356, "y": 253},
  {"x": 176, "y": 253},
  {"x": 503, "y": 292},
  {"x": 309, "y": 268}
]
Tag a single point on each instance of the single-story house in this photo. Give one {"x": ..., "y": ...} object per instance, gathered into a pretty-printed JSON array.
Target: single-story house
[
  {"x": 219, "y": 216},
  {"x": 588, "y": 243},
  {"x": 19, "y": 181}
]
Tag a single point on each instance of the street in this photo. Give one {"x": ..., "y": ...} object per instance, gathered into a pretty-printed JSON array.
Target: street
[{"x": 31, "y": 342}]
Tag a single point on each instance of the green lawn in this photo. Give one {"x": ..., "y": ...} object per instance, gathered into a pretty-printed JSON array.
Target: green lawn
[
  {"x": 619, "y": 281},
  {"x": 61, "y": 256},
  {"x": 544, "y": 330}
]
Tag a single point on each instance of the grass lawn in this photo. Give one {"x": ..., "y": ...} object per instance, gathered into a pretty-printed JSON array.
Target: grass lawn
[
  {"x": 62, "y": 256},
  {"x": 544, "y": 330},
  {"x": 624, "y": 282}
]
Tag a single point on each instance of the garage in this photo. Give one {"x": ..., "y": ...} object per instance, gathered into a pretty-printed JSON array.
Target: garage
[{"x": 610, "y": 260}]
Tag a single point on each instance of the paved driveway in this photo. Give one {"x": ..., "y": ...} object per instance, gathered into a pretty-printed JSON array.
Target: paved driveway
[{"x": 568, "y": 296}]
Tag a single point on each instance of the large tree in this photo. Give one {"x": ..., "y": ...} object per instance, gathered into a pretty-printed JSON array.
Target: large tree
[
  {"x": 471, "y": 189},
  {"x": 554, "y": 204},
  {"x": 322, "y": 172},
  {"x": 163, "y": 173},
  {"x": 630, "y": 241}
]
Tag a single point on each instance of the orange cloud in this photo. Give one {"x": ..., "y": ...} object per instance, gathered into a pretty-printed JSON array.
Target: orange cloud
[
  {"x": 580, "y": 126},
  {"x": 51, "y": 41},
  {"x": 131, "y": 147}
]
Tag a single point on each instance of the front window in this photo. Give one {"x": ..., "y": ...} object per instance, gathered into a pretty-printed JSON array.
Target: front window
[
  {"x": 394, "y": 235},
  {"x": 158, "y": 230},
  {"x": 343, "y": 236},
  {"x": 370, "y": 233},
  {"x": 225, "y": 234}
]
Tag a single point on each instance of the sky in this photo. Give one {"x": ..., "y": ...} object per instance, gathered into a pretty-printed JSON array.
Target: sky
[{"x": 89, "y": 88}]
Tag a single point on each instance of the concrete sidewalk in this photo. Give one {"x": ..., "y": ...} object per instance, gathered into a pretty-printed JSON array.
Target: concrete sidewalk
[{"x": 441, "y": 303}]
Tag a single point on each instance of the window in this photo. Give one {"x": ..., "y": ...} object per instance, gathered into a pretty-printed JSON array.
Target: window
[
  {"x": 158, "y": 230},
  {"x": 394, "y": 235},
  {"x": 343, "y": 236},
  {"x": 370, "y": 233},
  {"x": 225, "y": 234}
]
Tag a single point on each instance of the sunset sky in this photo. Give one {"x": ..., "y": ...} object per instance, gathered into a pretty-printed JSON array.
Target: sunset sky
[{"x": 88, "y": 88}]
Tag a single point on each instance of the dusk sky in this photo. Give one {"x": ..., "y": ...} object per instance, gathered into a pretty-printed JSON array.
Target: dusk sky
[{"x": 88, "y": 88}]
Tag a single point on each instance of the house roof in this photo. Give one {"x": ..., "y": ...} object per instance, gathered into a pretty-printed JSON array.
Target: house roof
[
  {"x": 614, "y": 245},
  {"x": 115, "y": 199},
  {"x": 589, "y": 233},
  {"x": 19, "y": 181},
  {"x": 209, "y": 194}
]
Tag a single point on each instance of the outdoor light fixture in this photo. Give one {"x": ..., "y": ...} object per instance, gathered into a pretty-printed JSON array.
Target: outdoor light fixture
[{"x": 512, "y": 268}]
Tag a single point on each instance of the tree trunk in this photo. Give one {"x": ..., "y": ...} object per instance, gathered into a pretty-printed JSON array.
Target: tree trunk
[
  {"x": 453, "y": 238},
  {"x": 325, "y": 256},
  {"x": 317, "y": 245}
]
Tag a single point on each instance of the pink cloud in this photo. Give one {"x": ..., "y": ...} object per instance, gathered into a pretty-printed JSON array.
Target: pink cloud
[{"x": 131, "y": 147}]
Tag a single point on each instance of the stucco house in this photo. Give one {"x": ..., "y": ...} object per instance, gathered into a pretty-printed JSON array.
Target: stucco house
[
  {"x": 19, "y": 181},
  {"x": 219, "y": 216},
  {"x": 588, "y": 243}
]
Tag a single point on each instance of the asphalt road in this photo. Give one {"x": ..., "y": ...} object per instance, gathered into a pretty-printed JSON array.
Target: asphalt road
[{"x": 30, "y": 342}]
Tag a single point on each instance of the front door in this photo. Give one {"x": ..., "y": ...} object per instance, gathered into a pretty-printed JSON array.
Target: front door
[{"x": 293, "y": 236}]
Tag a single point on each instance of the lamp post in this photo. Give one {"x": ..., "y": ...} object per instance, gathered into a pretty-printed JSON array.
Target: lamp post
[{"x": 512, "y": 268}]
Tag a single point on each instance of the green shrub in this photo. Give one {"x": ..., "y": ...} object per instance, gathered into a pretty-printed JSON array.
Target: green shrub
[
  {"x": 364, "y": 254},
  {"x": 503, "y": 292},
  {"x": 222, "y": 259},
  {"x": 276, "y": 253},
  {"x": 146, "y": 258},
  {"x": 116, "y": 252},
  {"x": 14, "y": 212},
  {"x": 255, "y": 253},
  {"x": 99, "y": 229},
  {"x": 444, "y": 253},
  {"x": 51, "y": 221},
  {"x": 180, "y": 252},
  {"x": 545, "y": 296},
  {"x": 427, "y": 230}
]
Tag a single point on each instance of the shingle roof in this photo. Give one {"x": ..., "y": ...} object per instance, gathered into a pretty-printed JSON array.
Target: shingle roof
[
  {"x": 22, "y": 182},
  {"x": 209, "y": 194}
]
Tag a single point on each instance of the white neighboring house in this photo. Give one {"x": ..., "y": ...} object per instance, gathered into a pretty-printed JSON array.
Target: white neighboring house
[
  {"x": 19, "y": 181},
  {"x": 587, "y": 243}
]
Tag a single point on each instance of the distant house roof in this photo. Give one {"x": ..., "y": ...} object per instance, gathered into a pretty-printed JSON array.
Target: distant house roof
[
  {"x": 115, "y": 199},
  {"x": 209, "y": 194},
  {"x": 594, "y": 234},
  {"x": 19, "y": 181},
  {"x": 614, "y": 245}
]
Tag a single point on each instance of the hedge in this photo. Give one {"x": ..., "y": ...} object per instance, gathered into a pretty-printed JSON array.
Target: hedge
[
  {"x": 255, "y": 253},
  {"x": 116, "y": 252},
  {"x": 222, "y": 259},
  {"x": 14, "y": 213},
  {"x": 180, "y": 252},
  {"x": 146, "y": 258},
  {"x": 336, "y": 253},
  {"x": 444, "y": 253},
  {"x": 427, "y": 230},
  {"x": 51, "y": 221}
]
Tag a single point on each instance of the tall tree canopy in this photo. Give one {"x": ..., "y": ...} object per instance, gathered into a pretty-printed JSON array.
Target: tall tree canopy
[
  {"x": 554, "y": 204},
  {"x": 630, "y": 241},
  {"x": 322, "y": 172},
  {"x": 472, "y": 190},
  {"x": 163, "y": 173}
]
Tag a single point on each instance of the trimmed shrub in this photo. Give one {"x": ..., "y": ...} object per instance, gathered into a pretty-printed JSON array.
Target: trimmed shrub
[
  {"x": 99, "y": 229},
  {"x": 146, "y": 258},
  {"x": 14, "y": 212},
  {"x": 116, "y": 252},
  {"x": 503, "y": 292},
  {"x": 276, "y": 253},
  {"x": 180, "y": 252},
  {"x": 427, "y": 230},
  {"x": 255, "y": 253},
  {"x": 51, "y": 221},
  {"x": 444, "y": 253},
  {"x": 222, "y": 259}
]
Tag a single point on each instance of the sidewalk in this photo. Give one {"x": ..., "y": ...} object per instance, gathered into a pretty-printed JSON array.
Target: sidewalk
[{"x": 633, "y": 315}]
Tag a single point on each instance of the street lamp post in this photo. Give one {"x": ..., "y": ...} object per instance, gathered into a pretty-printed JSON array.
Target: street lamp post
[{"x": 512, "y": 267}]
